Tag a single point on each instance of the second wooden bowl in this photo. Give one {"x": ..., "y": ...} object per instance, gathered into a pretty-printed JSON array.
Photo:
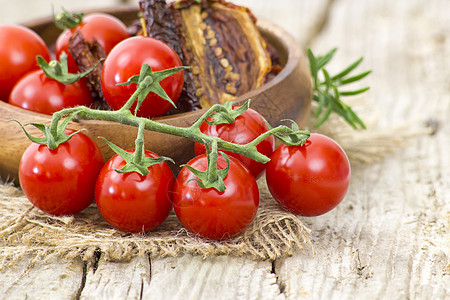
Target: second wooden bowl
[{"x": 286, "y": 96}]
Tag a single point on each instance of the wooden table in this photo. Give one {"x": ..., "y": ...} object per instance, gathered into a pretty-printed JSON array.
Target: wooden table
[{"x": 389, "y": 239}]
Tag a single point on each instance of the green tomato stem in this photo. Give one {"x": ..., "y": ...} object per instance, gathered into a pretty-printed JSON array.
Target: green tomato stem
[
  {"x": 124, "y": 116},
  {"x": 213, "y": 155},
  {"x": 50, "y": 139},
  {"x": 214, "y": 108},
  {"x": 139, "y": 145}
]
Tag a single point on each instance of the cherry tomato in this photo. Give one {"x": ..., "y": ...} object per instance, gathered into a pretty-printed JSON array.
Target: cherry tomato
[
  {"x": 18, "y": 51},
  {"x": 126, "y": 60},
  {"x": 212, "y": 214},
  {"x": 106, "y": 29},
  {"x": 36, "y": 92},
  {"x": 131, "y": 202},
  {"x": 245, "y": 129},
  {"x": 309, "y": 180},
  {"x": 61, "y": 181}
]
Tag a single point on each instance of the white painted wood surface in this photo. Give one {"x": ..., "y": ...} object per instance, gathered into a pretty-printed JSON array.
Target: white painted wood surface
[{"x": 389, "y": 239}]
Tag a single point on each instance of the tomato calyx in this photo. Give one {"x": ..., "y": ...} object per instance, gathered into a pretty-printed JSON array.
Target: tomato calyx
[
  {"x": 227, "y": 114},
  {"x": 59, "y": 71},
  {"x": 68, "y": 20},
  {"x": 52, "y": 138},
  {"x": 136, "y": 161},
  {"x": 212, "y": 177},
  {"x": 148, "y": 81}
]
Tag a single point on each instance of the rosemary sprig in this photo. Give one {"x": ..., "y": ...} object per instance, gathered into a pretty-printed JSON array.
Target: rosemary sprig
[{"x": 327, "y": 93}]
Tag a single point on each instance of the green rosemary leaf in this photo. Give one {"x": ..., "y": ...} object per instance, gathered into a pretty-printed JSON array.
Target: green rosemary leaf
[
  {"x": 354, "y": 78},
  {"x": 326, "y": 92},
  {"x": 323, "y": 60},
  {"x": 328, "y": 82},
  {"x": 352, "y": 93},
  {"x": 324, "y": 116},
  {"x": 348, "y": 69},
  {"x": 321, "y": 101},
  {"x": 356, "y": 119},
  {"x": 312, "y": 64}
]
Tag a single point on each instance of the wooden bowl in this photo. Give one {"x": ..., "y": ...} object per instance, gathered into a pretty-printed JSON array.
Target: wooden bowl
[{"x": 286, "y": 96}]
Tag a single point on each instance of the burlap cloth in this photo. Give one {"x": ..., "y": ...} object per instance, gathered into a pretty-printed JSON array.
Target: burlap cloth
[{"x": 274, "y": 233}]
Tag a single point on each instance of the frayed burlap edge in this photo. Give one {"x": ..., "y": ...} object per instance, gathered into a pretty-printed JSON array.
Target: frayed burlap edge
[{"x": 25, "y": 230}]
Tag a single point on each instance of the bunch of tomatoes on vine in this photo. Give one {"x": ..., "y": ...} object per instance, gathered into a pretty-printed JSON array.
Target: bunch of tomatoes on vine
[{"x": 215, "y": 195}]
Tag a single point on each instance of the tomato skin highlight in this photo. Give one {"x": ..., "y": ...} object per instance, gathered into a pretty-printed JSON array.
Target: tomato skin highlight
[
  {"x": 245, "y": 129},
  {"x": 61, "y": 181},
  {"x": 19, "y": 48},
  {"x": 309, "y": 180},
  {"x": 106, "y": 29},
  {"x": 212, "y": 214},
  {"x": 131, "y": 202},
  {"x": 36, "y": 92},
  {"x": 126, "y": 60}
]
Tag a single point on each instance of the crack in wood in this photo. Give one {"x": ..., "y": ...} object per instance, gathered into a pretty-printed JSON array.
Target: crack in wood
[
  {"x": 97, "y": 255},
  {"x": 149, "y": 268},
  {"x": 141, "y": 293},
  {"x": 280, "y": 283},
  {"x": 83, "y": 281},
  {"x": 360, "y": 267}
]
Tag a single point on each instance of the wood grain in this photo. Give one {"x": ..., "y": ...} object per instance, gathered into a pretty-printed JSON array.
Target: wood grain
[
  {"x": 390, "y": 238},
  {"x": 45, "y": 279},
  {"x": 192, "y": 277},
  {"x": 116, "y": 280}
]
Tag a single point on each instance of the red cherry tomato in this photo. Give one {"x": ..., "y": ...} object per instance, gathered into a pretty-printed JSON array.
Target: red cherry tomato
[
  {"x": 18, "y": 51},
  {"x": 106, "y": 29},
  {"x": 126, "y": 60},
  {"x": 61, "y": 181},
  {"x": 36, "y": 92},
  {"x": 131, "y": 202},
  {"x": 245, "y": 129},
  {"x": 212, "y": 214},
  {"x": 309, "y": 180}
]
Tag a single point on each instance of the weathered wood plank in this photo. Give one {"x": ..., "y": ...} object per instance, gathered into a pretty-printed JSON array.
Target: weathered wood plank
[
  {"x": 54, "y": 279},
  {"x": 220, "y": 277},
  {"x": 116, "y": 280},
  {"x": 372, "y": 247},
  {"x": 194, "y": 277},
  {"x": 390, "y": 237}
]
